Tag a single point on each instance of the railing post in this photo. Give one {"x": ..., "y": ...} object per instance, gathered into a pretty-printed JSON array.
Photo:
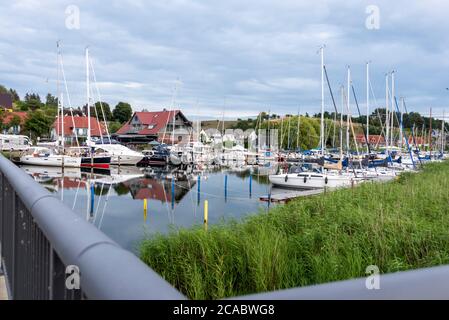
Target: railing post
[{"x": 13, "y": 270}]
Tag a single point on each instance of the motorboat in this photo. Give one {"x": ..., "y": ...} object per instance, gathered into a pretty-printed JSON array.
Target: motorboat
[{"x": 43, "y": 156}]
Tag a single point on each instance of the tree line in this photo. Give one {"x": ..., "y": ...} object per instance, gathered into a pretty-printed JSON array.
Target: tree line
[{"x": 42, "y": 113}]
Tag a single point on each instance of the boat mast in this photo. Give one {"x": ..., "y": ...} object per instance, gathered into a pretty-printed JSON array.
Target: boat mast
[
  {"x": 348, "y": 109},
  {"x": 282, "y": 131},
  {"x": 57, "y": 88},
  {"x": 322, "y": 101},
  {"x": 61, "y": 103},
  {"x": 401, "y": 132},
  {"x": 387, "y": 116},
  {"x": 367, "y": 106},
  {"x": 430, "y": 133},
  {"x": 443, "y": 136},
  {"x": 297, "y": 131},
  {"x": 342, "y": 91},
  {"x": 288, "y": 134},
  {"x": 392, "y": 109},
  {"x": 88, "y": 96},
  {"x": 268, "y": 126},
  {"x": 173, "y": 125}
]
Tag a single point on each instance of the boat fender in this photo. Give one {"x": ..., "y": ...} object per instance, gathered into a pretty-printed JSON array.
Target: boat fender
[
  {"x": 305, "y": 179},
  {"x": 325, "y": 180},
  {"x": 286, "y": 178}
]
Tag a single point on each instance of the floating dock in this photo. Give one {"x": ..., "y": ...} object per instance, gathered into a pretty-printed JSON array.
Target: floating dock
[{"x": 283, "y": 195}]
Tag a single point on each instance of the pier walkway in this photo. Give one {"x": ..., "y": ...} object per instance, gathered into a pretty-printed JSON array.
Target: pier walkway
[{"x": 285, "y": 195}]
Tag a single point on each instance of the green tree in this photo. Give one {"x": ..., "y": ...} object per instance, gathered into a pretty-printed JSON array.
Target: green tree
[
  {"x": 32, "y": 96},
  {"x": 114, "y": 126},
  {"x": 122, "y": 112},
  {"x": 33, "y": 101},
  {"x": 3, "y": 89},
  {"x": 22, "y": 106},
  {"x": 38, "y": 123},
  {"x": 14, "y": 122},
  {"x": 33, "y": 104},
  {"x": 14, "y": 95},
  {"x": 106, "y": 110},
  {"x": 51, "y": 101},
  {"x": 3, "y": 126}
]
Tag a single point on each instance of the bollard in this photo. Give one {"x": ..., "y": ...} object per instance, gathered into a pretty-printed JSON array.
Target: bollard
[
  {"x": 269, "y": 198},
  {"x": 250, "y": 185},
  {"x": 145, "y": 207},
  {"x": 206, "y": 213},
  {"x": 172, "y": 193},
  {"x": 199, "y": 189},
  {"x": 226, "y": 188}
]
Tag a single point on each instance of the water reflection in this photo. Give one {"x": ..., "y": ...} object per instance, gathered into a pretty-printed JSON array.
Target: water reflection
[{"x": 129, "y": 202}]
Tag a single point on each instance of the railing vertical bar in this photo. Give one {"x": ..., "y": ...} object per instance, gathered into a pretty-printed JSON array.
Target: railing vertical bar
[
  {"x": 14, "y": 243},
  {"x": 50, "y": 273}
]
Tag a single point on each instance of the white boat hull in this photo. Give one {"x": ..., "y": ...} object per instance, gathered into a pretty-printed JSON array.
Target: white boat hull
[
  {"x": 52, "y": 161},
  {"x": 313, "y": 181},
  {"x": 125, "y": 159}
]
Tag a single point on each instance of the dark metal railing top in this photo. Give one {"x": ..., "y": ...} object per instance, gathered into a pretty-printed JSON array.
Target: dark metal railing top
[
  {"x": 421, "y": 284},
  {"x": 40, "y": 237},
  {"x": 106, "y": 270}
]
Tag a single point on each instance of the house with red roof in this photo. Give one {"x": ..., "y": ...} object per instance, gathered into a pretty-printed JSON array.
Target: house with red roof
[
  {"x": 374, "y": 140},
  {"x": 76, "y": 126},
  {"x": 11, "y": 126},
  {"x": 166, "y": 126}
]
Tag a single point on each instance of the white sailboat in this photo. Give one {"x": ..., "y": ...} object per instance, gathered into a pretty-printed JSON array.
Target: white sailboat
[
  {"x": 120, "y": 155},
  {"x": 315, "y": 180},
  {"x": 43, "y": 156},
  {"x": 325, "y": 178}
]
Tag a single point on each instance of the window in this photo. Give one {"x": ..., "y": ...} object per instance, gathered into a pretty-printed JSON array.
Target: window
[{"x": 151, "y": 126}]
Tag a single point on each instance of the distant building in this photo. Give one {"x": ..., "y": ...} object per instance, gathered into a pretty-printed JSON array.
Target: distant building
[
  {"x": 147, "y": 126},
  {"x": 374, "y": 140},
  {"x": 419, "y": 141},
  {"x": 15, "y": 128},
  {"x": 77, "y": 127},
  {"x": 5, "y": 101}
]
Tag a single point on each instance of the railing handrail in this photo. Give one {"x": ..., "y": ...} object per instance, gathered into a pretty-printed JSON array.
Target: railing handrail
[
  {"x": 420, "y": 284},
  {"x": 107, "y": 271}
]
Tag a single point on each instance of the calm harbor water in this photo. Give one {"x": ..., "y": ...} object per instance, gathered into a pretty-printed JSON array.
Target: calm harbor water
[{"x": 117, "y": 205}]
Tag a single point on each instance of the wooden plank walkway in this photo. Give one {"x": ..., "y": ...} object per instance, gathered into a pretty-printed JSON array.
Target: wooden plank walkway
[{"x": 282, "y": 195}]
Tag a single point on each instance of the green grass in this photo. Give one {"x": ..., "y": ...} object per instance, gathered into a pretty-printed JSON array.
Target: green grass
[{"x": 399, "y": 225}]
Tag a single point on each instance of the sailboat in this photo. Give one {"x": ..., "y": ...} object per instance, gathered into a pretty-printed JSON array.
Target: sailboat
[
  {"x": 119, "y": 154},
  {"x": 330, "y": 176},
  {"x": 56, "y": 156}
]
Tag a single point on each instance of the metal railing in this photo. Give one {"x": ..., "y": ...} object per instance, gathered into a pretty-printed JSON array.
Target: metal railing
[
  {"x": 421, "y": 284},
  {"x": 40, "y": 236}
]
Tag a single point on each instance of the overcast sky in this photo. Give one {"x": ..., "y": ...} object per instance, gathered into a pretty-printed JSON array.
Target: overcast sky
[{"x": 237, "y": 57}]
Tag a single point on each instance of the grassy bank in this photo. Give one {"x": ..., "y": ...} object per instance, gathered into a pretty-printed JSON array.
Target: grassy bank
[{"x": 397, "y": 226}]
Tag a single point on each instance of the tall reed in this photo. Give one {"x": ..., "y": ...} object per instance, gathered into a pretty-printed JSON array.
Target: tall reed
[{"x": 398, "y": 225}]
